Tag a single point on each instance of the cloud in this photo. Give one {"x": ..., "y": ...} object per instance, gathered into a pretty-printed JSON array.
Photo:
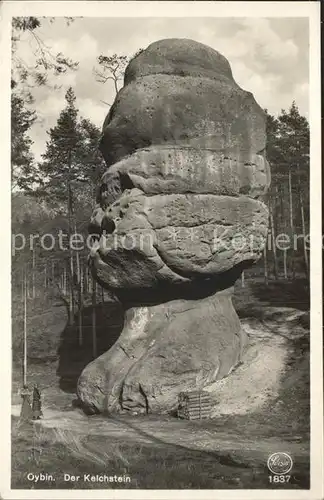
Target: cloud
[
  {"x": 261, "y": 37},
  {"x": 95, "y": 111},
  {"x": 268, "y": 56},
  {"x": 72, "y": 48}
]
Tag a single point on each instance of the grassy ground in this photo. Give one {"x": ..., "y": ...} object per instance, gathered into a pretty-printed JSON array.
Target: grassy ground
[
  {"x": 157, "y": 466},
  {"x": 156, "y": 463}
]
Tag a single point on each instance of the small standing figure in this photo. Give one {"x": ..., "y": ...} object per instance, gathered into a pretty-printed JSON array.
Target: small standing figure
[
  {"x": 26, "y": 409},
  {"x": 37, "y": 403}
]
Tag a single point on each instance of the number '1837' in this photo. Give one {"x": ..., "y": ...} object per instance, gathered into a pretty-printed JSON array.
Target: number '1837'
[{"x": 279, "y": 479}]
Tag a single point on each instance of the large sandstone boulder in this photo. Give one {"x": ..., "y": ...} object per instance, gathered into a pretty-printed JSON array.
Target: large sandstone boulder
[
  {"x": 182, "y": 92},
  {"x": 179, "y": 216},
  {"x": 165, "y": 348}
]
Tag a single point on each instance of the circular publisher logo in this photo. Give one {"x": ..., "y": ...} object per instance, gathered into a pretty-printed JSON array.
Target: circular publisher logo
[{"x": 280, "y": 463}]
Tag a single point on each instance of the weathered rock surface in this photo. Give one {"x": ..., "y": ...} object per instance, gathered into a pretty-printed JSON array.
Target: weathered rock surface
[
  {"x": 198, "y": 112},
  {"x": 179, "y": 216},
  {"x": 182, "y": 92},
  {"x": 174, "y": 238},
  {"x": 180, "y": 57},
  {"x": 177, "y": 344},
  {"x": 168, "y": 169}
]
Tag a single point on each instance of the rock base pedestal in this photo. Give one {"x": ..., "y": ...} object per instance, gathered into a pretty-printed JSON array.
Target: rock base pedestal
[{"x": 165, "y": 349}]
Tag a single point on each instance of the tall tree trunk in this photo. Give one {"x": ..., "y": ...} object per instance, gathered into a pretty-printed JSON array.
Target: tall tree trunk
[
  {"x": 78, "y": 269},
  {"x": 301, "y": 201},
  {"x": 64, "y": 279},
  {"x": 275, "y": 209},
  {"x": 116, "y": 84},
  {"x": 53, "y": 272},
  {"x": 23, "y": 284},
  {"x": 273, "y": 239},
  {"x": 69, "y": 207},
  {"x": 77, "y": 257},
  {"x": 94, "y": 326},
  {"x": 282, "y": 207},
  {"x": 25, "y": 330},
  {"x": 71, "y": 290},
  {"x": 45, "y": 275},
  {"x": 78, "y": 274},
  {"x": 285, "y": 263},
  {"x": 89, "y": 279},
  {"x": 291, "y": 221},
  {"x": 85, "y": 277},
  {"x": 81, "y": 284},
  {"x": 78, "y": 279},
  {"x": 33, "y": 274},
  {"x": 265, "y": 263}
]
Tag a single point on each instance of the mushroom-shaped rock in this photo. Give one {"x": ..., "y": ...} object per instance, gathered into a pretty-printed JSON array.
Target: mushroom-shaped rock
[{"x": 180, "y": 215}]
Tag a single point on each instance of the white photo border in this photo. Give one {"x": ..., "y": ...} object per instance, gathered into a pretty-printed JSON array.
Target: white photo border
[{"x": 308, "y": 9}]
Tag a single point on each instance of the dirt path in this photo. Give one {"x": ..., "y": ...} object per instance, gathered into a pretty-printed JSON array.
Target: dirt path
[{"x": 171, "y": 432}]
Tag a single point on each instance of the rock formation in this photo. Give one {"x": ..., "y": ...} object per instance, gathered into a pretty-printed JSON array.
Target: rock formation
[{"x": 179, "y": 217}]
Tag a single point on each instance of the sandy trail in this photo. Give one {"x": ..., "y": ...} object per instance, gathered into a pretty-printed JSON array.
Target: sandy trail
[{"x": 169, "y": 432}]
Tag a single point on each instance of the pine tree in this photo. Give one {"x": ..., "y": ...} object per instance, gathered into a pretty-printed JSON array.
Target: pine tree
[
  {"x": 24, "y": 76},
  {"x": 273, "y": 150},
  {"x": 72, "y": 163},
  {"x": 90, "y": 155},
  {"x": 288, "y": 140},
  {"x": 294, "y": 137},
  {"x": 60, "y": 167},
  {"x": 288, "y": 154},
  {"x": 24, "y": 173},
  {"x": 70, "y": 169},
  {"x": 294, "y": 144},
  {"x": 112, "y": 68}
]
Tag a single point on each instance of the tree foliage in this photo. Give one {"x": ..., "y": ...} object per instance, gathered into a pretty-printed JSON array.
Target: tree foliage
[
  {"x": 112, "y": 68},
  {"x": 25, "y": 75},
  {"x": 60, "y": 162},
  {"x": 288, "y": 155},
  {"x": 24, "y": 174},
  {"x": 90, "y": 155},
  {"x": 71, "y": 165},
  {"x": 26, "y": 29},
  {"x": 288, "y": 141}
]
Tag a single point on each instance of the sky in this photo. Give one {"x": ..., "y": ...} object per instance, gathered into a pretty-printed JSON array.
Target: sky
[{"x": 268, "y": 56}]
